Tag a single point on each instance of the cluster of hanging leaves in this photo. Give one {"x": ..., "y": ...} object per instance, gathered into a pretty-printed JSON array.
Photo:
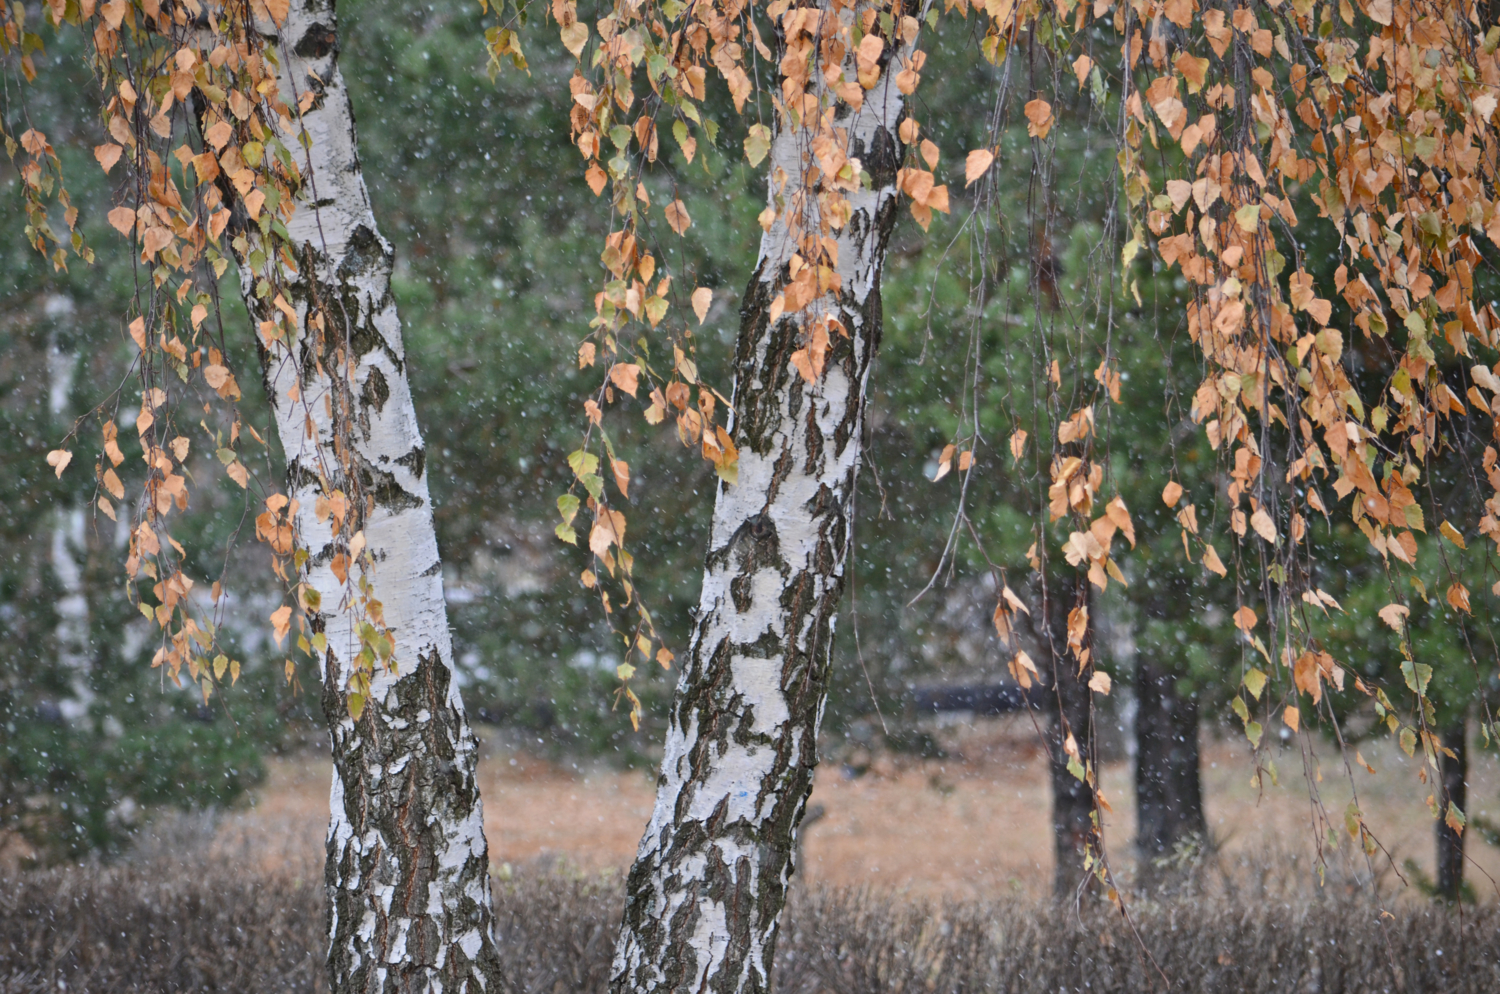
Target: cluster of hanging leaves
[
  {"x": 1380, "y": 115},
  {"x": 829, "y": 57},
  {"x": 198, "y": 134}
]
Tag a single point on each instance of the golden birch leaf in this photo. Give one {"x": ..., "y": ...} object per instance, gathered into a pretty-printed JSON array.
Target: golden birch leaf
[
  {"x": 1452, "y": 534},
  {"x": 1458, "y": 597},
  {"x": 1292, "y": 716},
  {"x": 1100, "y": 682},
  {"x": 702, "y": 298},
  {"x": 122, "y": 219},
  {"x": 574, "y": 37},
  {"x": 1394, "y": 615},
  {"x": 108, "y": 154},
  {"x": 1171, "y": 493},
  {"x": 626, "y": 376},
  {"x": 58, "y": 459},
  {"x": 977, "y": 164},
  {"x": 596, "y": 179},
  {"x": 1039, "y": 118},
  {"x": 1244, "y": 618},
  {"x": 1017, "y": 443},
  {"x": 1081, "y": 67},
  {"x": 677, "y": 217},
  {"x": 1264, "y": 526},
  {"x": 281, "y": 622}
]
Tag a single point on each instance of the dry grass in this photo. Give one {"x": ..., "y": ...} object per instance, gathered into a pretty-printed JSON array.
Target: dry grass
[
  {"x": 974, "y": 826},
  {"x": 207, "y": 925}
]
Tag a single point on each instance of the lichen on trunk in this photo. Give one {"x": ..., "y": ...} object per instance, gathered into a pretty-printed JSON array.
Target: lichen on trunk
[
  {"x": 705, "y": 895},
  {"x": 407, "y": 873}
]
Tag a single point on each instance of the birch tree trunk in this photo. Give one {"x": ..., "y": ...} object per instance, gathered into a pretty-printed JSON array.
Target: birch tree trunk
[
  {"x": 704, "y": 898},
  {"x": 407, "y": 873}
]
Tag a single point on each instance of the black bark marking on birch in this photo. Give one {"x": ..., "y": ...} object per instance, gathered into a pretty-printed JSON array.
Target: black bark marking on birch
[
  {"x": 318, "y": 42},
  {"x": 376, "y": 391},
  {"x": 415, "y": 460}
]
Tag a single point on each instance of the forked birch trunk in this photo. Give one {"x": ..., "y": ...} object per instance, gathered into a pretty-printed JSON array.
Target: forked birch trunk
[
  {"x": 407, "y": 873},
  {"x": 705, "y": 895}
]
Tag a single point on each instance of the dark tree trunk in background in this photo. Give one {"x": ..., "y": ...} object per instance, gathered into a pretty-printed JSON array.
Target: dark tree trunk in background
[
  {"x": 1450, "y": 844},
  {"x": 1168, "y": 790},
  {"x": 1068, "y": 704}
]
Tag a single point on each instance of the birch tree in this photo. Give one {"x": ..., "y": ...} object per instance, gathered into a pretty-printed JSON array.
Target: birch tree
[
  {"x": 250, "y": 103},
  {"x": 407, "y": 864},
  {"x": 705, "y": 895}
]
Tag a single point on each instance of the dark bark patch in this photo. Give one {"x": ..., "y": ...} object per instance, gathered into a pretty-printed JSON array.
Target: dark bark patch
[{"x": 318, "y": 42}]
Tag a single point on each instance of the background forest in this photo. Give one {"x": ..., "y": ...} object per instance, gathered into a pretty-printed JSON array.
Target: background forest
[{"x": 492, "y": 229}]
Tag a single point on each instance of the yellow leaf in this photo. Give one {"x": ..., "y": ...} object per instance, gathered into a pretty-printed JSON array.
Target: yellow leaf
[
  {"x": 1212, "y": 561},
  {"x": 1081, "y": 67},
  {"x": 977, "y": 164},
  {"x": 626, "y": 376},
  {"x": 281, "y": 622},
  {"x": 1264, "y": 526},
  {"x": 1017, "y": 443},
  {"x": 58, "y": 459},
  {"x": 1380, "y": 11},
  {"x": 574, "y": 37},
  {"x": 1292, "y": 716},
  {"x": 1458, "y": 597},
  {"x": 218, "y": 134},
  {"x": 1244, "y": 618},
  {"x": 702, "y": 298},
  {"x": 1171, "y": 493},
  {"x": 1452, "y": 534},
  {"x": 108, "y": 154},
  {"x": 1039, "y": 116},
  {"x": 1394, "y": 615},
  {"x": 122, "y": 219},
  {"x": 596, "y": 179},
  {"x": 237, "y": 473},
  {"x": 677, "y": 217},
  {"x": 1100, "y": 682}
]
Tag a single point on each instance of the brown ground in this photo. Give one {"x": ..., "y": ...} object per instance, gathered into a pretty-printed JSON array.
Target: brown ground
[{"x": 972, "y": 825}]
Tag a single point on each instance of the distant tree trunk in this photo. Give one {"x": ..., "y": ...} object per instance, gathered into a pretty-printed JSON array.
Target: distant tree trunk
[
  {"x": 1068, "y": 701},
  {"x": 1168, "y": 790},
  {"x": 407, "y": 873},
  {"x": 704, "y": 898},
  {"x": 1455, "y": 773}
]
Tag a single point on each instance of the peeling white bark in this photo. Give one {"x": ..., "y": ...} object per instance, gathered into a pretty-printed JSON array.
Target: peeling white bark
[
  {"x": 705, "y": 895},
  {"x": 408, "y": 867}
]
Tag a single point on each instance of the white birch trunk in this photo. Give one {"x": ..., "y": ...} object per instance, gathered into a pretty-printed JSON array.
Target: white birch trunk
[
  {"x": 407, "y": 876},
  {"x": 705, "y": 895},
  {"x": 67, "y": 536}
]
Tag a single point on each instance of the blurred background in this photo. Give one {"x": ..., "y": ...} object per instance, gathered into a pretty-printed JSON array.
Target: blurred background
[{"x": 932, "y": 782}]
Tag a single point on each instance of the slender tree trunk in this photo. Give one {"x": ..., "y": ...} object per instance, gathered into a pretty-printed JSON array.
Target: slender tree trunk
[
  {"x": 1450, "y": 844},
  {"x": 1168, "y": 790},
  {"x": 407, "y": 874},
  {"x": 68, "y": 533},
  {"x": 704, "y": 898},
  {"x": 1068, "y": 702}
]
